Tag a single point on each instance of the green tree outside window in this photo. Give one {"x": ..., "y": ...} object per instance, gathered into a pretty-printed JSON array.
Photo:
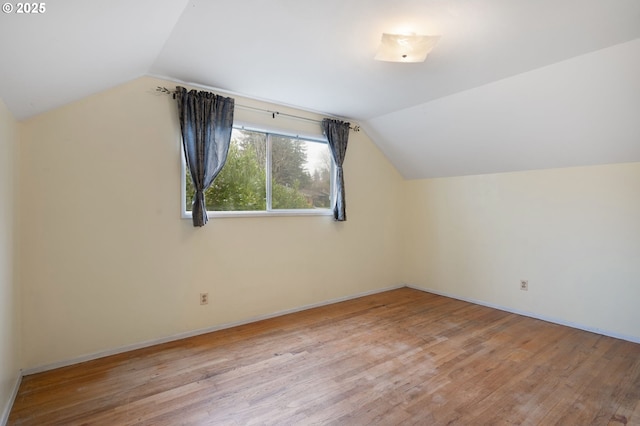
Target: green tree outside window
[{"x": 300, "y": 175}]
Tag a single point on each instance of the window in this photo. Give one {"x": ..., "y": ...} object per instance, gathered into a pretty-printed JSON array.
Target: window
[{"x": 270, "y": 173}]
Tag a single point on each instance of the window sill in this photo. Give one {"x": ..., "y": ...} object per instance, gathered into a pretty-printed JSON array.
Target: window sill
[{"x": 262, "y": 213}]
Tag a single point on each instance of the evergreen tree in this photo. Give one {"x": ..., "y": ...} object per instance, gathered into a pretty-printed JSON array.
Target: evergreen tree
[{"x": 240, "y": 186}]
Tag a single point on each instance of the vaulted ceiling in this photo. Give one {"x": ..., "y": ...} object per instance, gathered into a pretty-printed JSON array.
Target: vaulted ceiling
[{"x": 511, "y": 85}]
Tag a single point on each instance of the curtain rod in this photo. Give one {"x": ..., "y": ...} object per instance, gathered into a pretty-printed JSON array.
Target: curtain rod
[{"x": 355, "y": 127}]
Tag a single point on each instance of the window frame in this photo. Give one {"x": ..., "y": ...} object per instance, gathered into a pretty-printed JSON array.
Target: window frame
[{"x": 269, "y": 212}]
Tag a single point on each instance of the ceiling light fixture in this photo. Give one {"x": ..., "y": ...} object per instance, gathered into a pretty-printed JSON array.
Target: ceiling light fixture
[{"x": 405, "y": 47}]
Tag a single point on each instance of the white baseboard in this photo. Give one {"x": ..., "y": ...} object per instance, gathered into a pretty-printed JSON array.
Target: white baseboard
[
  {"x": 145, "y": 344},
  {"x": 7, "y": 409},
  {"x": 126, "y": 348},
  {"x": 633, "y": 339}
]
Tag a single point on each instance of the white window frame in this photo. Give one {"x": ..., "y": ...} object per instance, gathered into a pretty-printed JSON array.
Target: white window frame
[{"x": 185, "y": 214}]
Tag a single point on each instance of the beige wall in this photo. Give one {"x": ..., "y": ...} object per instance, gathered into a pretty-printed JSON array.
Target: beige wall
[
  {"x": 573, "y": 233},
  {"x": 111, "y": 263},
  {"x": 107, "y": 262},
  {"x": 9, "y": 292}
]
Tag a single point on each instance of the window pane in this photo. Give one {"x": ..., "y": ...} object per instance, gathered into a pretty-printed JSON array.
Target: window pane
[
  {"x": 240, "y": 186},
  {"x": 300, "y": 174}
]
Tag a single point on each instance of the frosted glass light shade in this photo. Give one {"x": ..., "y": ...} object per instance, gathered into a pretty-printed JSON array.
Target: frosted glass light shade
[{"x": 405, "y": 48}]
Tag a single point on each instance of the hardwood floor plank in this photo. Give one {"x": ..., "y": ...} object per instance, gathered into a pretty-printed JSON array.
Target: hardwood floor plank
[{"x": 398, "y": 357}]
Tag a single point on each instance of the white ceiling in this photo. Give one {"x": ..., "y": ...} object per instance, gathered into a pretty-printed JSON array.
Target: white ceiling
[{"x": 514, "y": 59}]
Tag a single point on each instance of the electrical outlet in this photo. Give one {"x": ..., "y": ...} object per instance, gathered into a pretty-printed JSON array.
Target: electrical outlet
[
  {"x": 204, "y": 298},
  {"x": 524, "y": 285}
]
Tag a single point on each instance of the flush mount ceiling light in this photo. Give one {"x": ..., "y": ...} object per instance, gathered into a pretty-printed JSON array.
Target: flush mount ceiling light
[{"x": 405, "y": 47}]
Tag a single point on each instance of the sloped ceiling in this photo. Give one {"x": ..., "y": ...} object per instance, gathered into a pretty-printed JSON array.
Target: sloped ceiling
[{"x": 512, "y": 84}]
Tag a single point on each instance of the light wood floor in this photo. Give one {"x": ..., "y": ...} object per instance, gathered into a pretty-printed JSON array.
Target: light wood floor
[{"x": 399, "y": 357}]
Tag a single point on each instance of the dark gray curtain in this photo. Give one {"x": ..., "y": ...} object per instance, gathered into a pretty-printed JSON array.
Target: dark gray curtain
[
  {"x": 337, "y": 133},
  {"x": 206, "y": 121}
]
